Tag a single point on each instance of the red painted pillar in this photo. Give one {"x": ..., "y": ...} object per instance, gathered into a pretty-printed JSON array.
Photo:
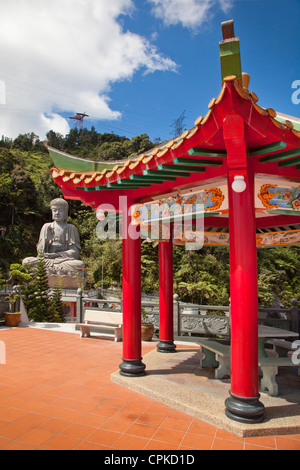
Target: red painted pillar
[
  {"x": 132, "y": 361},
  {"x": 166, "y": 329},
  {"x": 73, "y": 311},
  {"x": 243, "y": 404}
]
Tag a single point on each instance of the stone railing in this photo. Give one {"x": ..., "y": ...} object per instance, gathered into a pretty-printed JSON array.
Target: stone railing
[
  {"x": 286, "y": 318},
  {"x": 193, "y": 319}
]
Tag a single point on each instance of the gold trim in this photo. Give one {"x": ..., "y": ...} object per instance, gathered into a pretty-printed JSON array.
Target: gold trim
[
  {"x": 198, "y": 121},
  {"x": 212, "y": 103}
]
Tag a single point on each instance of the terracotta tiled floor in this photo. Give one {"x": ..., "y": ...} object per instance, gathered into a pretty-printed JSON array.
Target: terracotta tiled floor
[{"x": 56, "y": 393}]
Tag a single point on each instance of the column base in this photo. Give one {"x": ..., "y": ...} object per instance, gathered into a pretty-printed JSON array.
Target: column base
[
  {"x": 247, "y": 410},
  {"x": 132, "y": 367},
  {"x": 166, "y": 346}
]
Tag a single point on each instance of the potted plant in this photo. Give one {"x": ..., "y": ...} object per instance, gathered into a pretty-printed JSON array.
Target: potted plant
[
  {"x": 147, "y": 326},
  {"x": 17, "y": 274}
]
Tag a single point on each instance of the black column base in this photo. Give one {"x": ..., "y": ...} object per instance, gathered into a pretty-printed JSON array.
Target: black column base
[
  {"x": 132, "y": 367},
  {"x": 166, "y": 346},
  {"x": 244, "y": 409}
]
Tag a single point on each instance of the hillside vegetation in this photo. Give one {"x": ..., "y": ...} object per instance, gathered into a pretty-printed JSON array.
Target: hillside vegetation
[{"x": 26, "y": 189}]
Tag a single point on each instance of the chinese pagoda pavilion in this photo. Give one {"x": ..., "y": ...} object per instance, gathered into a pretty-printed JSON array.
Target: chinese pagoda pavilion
[{"x": 241, "y": 162}]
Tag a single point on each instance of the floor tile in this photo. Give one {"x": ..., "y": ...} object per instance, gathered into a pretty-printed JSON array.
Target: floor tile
[
  {"x": 225, "y": 444},
  {"x": 90, "y": 419},
  {"x": 202, "y": 428},
  {"x": 176, "y": 424},
  {"x": 13, "y": 430},
  {"x": 143, "y": 430},
  {"x": 104, "y": 437},
  {"x": 14, "y": 445},
  {"x": 36, "y": 437},
  {"x": 49, "y": 410},
  {"x": 79, "y": 431},
  {"x": 158, "y": 445},
  {"x": 104, "y": 410},
  {"x": 55, "y": 425},
  {"x": 127, "y": 415},
  {"x": 197, "y": 442},
  {"x": 152, "y": 420},
  {"x": 126, "y": 442},
  {"x": 69, "y": 415},
  {"x": 171, "y": 436},
  {"x": 113, "y": 424},
  {"x": 255, "y": 447},
  {"x": 31, "y": 419},
  {"x": 223, "y": 434},
  {"x": 4, "y": 442},
  {"x": 91, "y": 446},
  {"x": 284, "y": 443},
  {"x": 12, "y": 414},
  {"x": 59, "y": 442},
  {"x": 48, "y": 400},
  {"x": 264, "y": 441}
]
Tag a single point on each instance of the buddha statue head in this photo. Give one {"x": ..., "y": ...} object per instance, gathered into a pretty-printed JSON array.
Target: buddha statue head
[{"x": 60, "y": 210}]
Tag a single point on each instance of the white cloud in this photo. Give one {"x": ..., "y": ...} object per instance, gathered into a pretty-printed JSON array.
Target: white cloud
[
  {"x": 62, "y": 56},
  {"x": 190, "y": 13},
  {"x": 55, "y": 122}
]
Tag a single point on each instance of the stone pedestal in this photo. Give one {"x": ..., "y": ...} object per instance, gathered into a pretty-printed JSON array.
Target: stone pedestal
[{"x": 65, "y": 281}]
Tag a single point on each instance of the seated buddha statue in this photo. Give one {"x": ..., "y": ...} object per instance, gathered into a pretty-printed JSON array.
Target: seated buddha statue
[{"x": 60, "y": 243}]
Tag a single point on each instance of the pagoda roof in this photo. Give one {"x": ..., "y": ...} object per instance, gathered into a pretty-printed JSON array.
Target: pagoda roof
[
  {"x": 193, "y": 165},
  {"x": 197, "y": 155}
]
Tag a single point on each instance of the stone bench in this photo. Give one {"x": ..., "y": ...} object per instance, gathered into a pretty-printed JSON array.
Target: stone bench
[
  {"x": 214, "y": 353},
  {"x": 102, "y": 320},
  {"x": 269, "y": 367},
  {"x": 282, "y": 346}
]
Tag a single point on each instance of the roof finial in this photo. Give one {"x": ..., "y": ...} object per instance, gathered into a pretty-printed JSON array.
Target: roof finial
[
  {"x": 230, "y": 52},
  {"x": 227, "y": 29}
]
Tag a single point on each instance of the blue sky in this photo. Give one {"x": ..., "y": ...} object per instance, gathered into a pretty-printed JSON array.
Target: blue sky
[
  {"x": 132, "y": 66},
  {"x": 269, "y": 35}
]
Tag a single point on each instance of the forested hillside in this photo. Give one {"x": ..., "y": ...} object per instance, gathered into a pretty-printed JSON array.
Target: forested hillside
[{"x": 26, "y": 189}]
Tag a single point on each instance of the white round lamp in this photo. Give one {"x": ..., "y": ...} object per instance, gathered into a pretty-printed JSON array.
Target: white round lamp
[
  {"x": 239, "y": 184},
  {"x": 100, "y": 214}
]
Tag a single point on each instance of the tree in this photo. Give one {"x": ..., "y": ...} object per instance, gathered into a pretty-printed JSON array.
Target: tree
[
  {"x": 141, "y": 143},
  {"x": 7, "y": 161},
  {"x": 24, "y": 189},
  {"x": 55, "y": 139},
  {"x": 71, "y": 140},
  {"x": 202, "y": 276},
  {"x": 38, "y": 299},
  {"x": 17, "y": 274},
  {"x": 112, "y": 151},
  {"x": 149, "y": 267},
  {"x": 25, "y": 142},
  {"x": 278, "y": 274},
  {"x": 56, "y": 306}
]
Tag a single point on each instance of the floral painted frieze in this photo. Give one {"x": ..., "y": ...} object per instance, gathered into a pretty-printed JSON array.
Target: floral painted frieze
[
  {"x": 208, "y": 200},
  {"x": 274, "y": 197}
]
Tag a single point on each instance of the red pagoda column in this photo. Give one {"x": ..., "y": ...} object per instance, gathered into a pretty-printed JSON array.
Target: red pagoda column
[
  {"x": 132, "y": 345},
  {"x": 166, "y": 329},
  {"x": 243, "y": 405}
]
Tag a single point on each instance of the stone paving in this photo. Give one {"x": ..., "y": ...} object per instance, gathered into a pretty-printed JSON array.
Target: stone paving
[{"x": 57, "y": 393}]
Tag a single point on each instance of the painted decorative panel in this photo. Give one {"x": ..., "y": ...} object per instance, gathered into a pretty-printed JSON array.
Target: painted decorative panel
[
  {"x": 277, "y": 197},
  {"x": 176, "y": 206},
  {"x": 280, "y": 238}
]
